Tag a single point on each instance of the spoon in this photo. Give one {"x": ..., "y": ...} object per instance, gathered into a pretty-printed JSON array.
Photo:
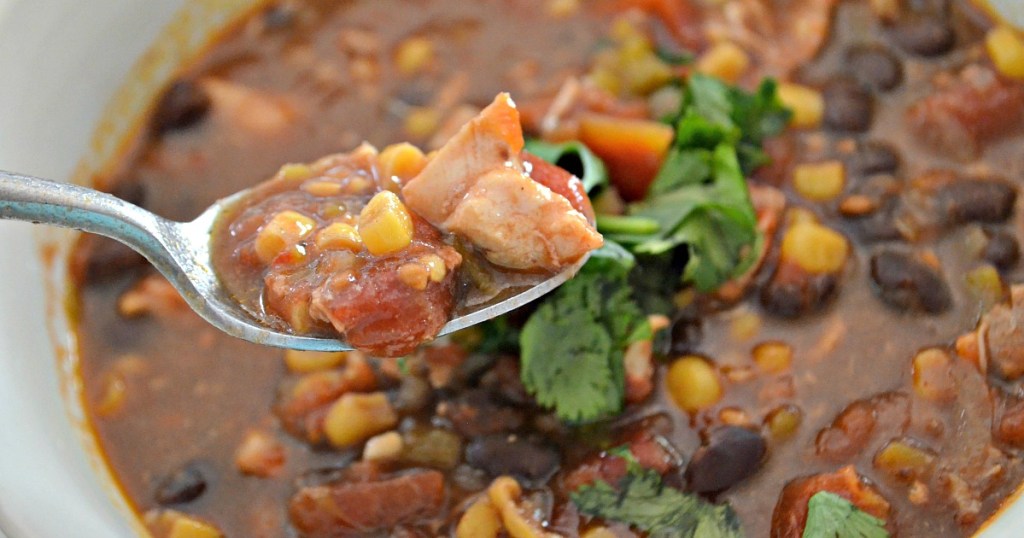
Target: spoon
[{"x": 181, "y": 251}]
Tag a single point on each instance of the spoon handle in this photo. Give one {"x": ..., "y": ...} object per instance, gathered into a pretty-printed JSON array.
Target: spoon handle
[{"x": 43, "y": 201}]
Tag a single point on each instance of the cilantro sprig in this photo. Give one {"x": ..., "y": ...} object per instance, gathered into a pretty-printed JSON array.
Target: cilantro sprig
[
  {"x": 699, "y": 199},
  {"x": 831, "y": 516},
  {"x": 642, "y": 500},
  {"x": 572, "y": 346}
]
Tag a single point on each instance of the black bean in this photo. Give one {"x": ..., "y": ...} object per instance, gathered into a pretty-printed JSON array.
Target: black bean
[
  {"x": 730, "y": 455},
  {"x": 977, "y": 201},
  {"x": 685, "y": 335},
  {"x": 98, "y": 259},
  {"x": 791, "y": 294},
  {"x": 848, "y": 106},
  {"x": 875, "y": 158},
  {"x": 414, "y": 394},
  {"x": 907, "y": 283},
  {"x": 925, "y": 36},
  {"x": 183, "y": 105},
  {"x": 530, "y": 461},
  {"x": 874, "y": 67},
  {"x": 182, "y": 486},
  {"x": 1002, "y": 250},
  {"x": 881, "y": 224}
]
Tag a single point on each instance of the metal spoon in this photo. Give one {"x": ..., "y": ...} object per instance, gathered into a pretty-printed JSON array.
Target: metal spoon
[{"x": 181, "y": 251}]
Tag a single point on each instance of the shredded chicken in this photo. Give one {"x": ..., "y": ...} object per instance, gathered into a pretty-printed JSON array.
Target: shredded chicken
[{"x": 477, "y": 188}]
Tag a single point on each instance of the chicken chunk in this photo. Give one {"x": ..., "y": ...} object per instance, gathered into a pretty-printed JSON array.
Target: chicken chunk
[
  {"x": 478, "y": 188},
  {"x": 975, "y": 109},
  {"x": 1001, "y": 338}
]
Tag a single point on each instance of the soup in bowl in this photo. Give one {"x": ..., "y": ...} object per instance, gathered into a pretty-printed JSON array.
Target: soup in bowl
[{"x": 801, "y": 323}]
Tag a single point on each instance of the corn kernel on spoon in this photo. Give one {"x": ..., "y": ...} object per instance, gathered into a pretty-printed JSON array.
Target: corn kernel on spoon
[{"x": 181, "y": 252}]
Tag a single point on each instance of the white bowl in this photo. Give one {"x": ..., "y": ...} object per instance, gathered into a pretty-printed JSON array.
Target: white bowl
[{"x": 61, "y": 63}]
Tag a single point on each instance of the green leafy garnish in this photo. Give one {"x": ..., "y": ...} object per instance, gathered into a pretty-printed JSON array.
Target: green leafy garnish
[
  {"x": 699, "y": 199},
  {"x": 715, "y": 221},
  {"x": 572, "y": 346},
  {"x": 831, "y": 516},
  {"x": 643, "y": 501},
  {"x": 574, "y": 157},
  {"x": 711, "y": 114}
]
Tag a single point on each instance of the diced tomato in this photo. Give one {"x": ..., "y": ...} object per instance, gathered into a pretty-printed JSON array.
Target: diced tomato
[
  {"x": 560, "y": 182},
  {"x": 791, "y": 511}
]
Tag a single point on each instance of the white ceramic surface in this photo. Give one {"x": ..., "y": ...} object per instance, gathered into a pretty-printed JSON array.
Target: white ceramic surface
[{"x": 61, "y": 61}]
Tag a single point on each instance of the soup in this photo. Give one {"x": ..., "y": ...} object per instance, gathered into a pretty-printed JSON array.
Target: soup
[{"x": 802, "y": 321}]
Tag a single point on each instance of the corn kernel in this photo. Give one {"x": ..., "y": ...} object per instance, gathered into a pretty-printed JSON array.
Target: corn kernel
[
  {"x": 807, "y": 104},
  {"x": 782, "y": 422},
  {"x": 599, "y": 532},
  {"x": 383, "y": 447},
  {"x": 904, "y": 460},
  {"x": 339, "y": 236},
  {"x": 295, "y": 172},
  {"x": 985, "y": 285},
  {"x": 797, "y": 215},
  {"x": 1006, "y": 48},
  {"x": 481, "y": 520},
  {"x": 815, "y": 248},
  {"x": 404, "y": 161},
  {"x": 312, "y": 361},
  {"x": 283, "y": 231},
  {"x": 932, "y": 375},
  {"x": 298, "y": 317},
  {"x": 359, "y": 185},
  {"x": 745, "y": 325},
  {"x": 322, "y": 188},
  {"x": 414, "y": 55},
  {"x": 385, "y": 224},
  {"x": 773, "y": 357},
  {"x": 421, "y": 122},
  {"x": 355, "y": 418},
  {"x": 414, "y": 275},
  {"x": 820, "y": 181},
  {"x": 436, "y": 266},
  {"x": 693, "y": 383},
  {"x": 724, "y": 60},
  {"x": 187, "y": 527}
]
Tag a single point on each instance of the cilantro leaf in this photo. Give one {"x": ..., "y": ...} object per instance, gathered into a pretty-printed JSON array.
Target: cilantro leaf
[
  {"x": 572, "y": 346},
  {"x": 574, "y": 157},
  {"x": 699, "y": 197},
  {"x": 565, "y": 362},
  {"x": 715, "y": 221},
  {"x": 643, "y": 501},
  {"x": 831, "y": 516}
]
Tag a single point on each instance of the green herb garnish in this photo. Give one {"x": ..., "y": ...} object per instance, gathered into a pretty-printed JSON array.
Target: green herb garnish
[
  {"x": 831, "y": 516},
  {"x": 574, "y": 157},
  {"x": 643, "y": 501},
  {"x": 572, "y": 346},
  {"x": 699, "y": 199}
]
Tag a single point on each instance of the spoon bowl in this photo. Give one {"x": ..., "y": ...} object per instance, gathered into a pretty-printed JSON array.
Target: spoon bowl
[{"x": 181, "y": 252}]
